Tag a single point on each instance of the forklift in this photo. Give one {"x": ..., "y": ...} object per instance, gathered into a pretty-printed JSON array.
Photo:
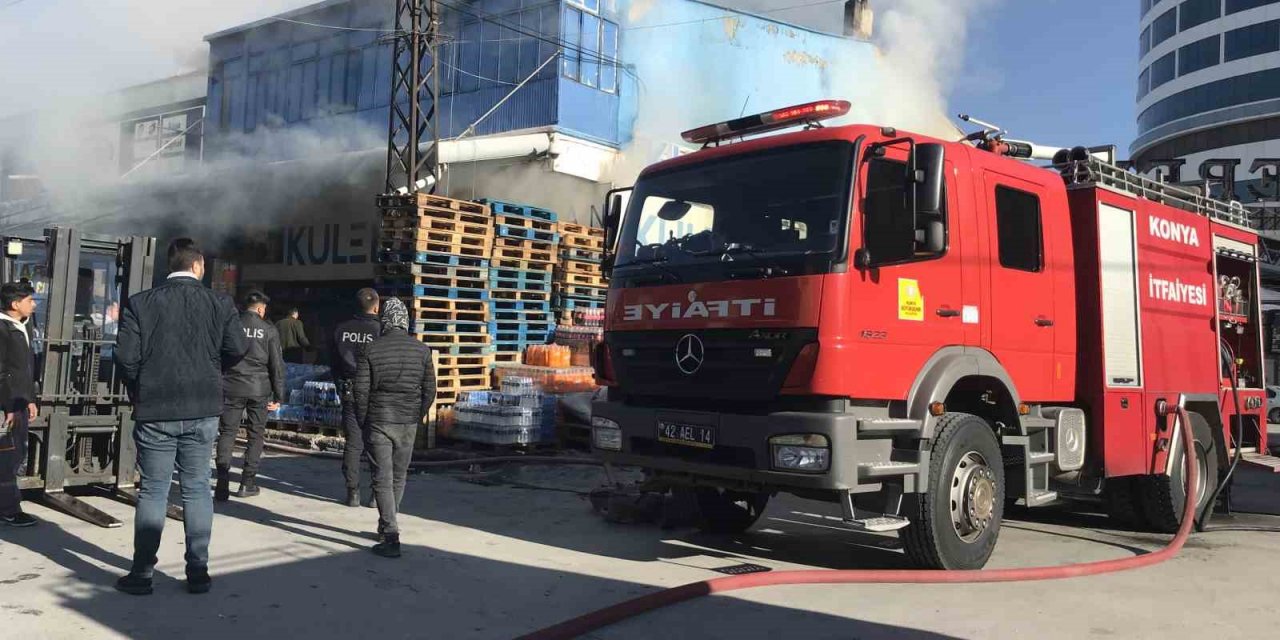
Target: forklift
[{"x": 82, "y": 442}]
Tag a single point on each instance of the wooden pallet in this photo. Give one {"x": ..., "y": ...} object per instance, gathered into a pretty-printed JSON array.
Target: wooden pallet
[
  {"x": 582, "y": 291},
  {"x": 581, "y": 255},
  {"x": 444, "y": 304},
  {"x": 523, "y": 222},
  {"x": 519, "y": 315},
  {"x": 453, "y": 362},
  {"x": 513, "y": 209},
  {"x": 476, "y": 281},
  {"x": 462, "y": 372},
  {"x": 571, "y": 228},
  {"x": 450, "y": 324},
  {"x": 472, "y": 316},
  {"x": 520, "y": 264},
  {"x": 453, "y": 339},
  {"x": 520, "y": 294},
  {"x": 439, "y": 242},
  {"x": 427, "y": 216},
  {"x": 468, "y": 272},
  {"x": 478, "y": 382},
  {"x": 508, "y": 357},
  {"x": 578, "y": 266},
  {"x": 528, "y": 255},
  {"x": 423, "y": 200},
  {"x": 423, "y": 226},
  {"x": 582, "y": 242},
  {"x": 583, "y": 279}
]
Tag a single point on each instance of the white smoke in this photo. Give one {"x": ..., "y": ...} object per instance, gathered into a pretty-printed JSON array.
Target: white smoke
[{"x": 922, "y": 52}]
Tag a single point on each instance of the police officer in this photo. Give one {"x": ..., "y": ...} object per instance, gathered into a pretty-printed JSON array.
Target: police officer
[
  {"x": 348, "y": 338},
  {"x": 254, "y": 387}
]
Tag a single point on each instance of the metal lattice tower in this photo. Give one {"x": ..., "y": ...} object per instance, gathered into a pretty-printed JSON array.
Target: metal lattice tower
[{"x": 415, "y": 85}]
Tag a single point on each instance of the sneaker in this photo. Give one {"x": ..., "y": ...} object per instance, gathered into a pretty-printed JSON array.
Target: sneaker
[
  {"x": 134, "y": 585},
  {"x": 389, "y": 547},
  {"x": 198, "y": 581},
  {"x": 19, "y": 519},
  {"x": 248, "y": 487}
]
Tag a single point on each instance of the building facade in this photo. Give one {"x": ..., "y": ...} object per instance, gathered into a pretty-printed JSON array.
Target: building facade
[{"x": 1209, "y": 96}]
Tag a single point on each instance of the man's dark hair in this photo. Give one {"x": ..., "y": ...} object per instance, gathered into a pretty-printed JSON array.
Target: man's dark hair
[
  {"x": 290, "y": 311},
  {"x": 14, "y": 292},
  {"x": 255, "y": 297},
  {"x": 184, "y": 253},
  {"x": 366, "y": 298}
]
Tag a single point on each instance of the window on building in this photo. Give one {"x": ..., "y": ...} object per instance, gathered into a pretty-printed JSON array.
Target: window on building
[
  {"x": 1253, "y": 40},
  {"x": 1236, "y": 6},
  {"x": 1018, "y": 230},
  {"x": 1164, "y": 69},
  {"x": 1165, "y": 27},
  {"x": 1200, "y": 54},
  {"x": 1194, "y": 13},
  {"x": 1220, "y": 94},
  {"x": 1144, "y": 83},
  {"x": 591, "y": 45},
  {"x": 1144, "y": 42}
]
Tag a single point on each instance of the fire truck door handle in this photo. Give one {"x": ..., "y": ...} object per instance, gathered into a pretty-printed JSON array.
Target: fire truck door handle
[
  {"x": 1043, "y": 321},
  {"x": 947, "y": 312}
]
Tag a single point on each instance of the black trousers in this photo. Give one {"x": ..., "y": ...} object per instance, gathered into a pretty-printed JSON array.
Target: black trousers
[
  {"x": 353, "y": 457},
  {"x": 13, "y": 453},
  {"x": 390, "y": 451},
  {"x": 233, "y": 411}
]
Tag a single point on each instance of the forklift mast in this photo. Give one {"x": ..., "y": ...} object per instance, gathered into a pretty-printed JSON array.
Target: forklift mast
[{"x": 83, "y": 438}]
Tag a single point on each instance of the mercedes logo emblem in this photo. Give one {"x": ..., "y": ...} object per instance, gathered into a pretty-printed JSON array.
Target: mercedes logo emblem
[{"x": 690, "y": 354}]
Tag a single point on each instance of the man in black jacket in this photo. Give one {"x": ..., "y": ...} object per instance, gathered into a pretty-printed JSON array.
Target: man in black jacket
[
  {"x": 348, "y": 338},
  {"x": 17, "y": 396},
  {"x": 175, "y": 341},
  {"x": 249, "y": 388},
  {"x": 395, "y": 386}
]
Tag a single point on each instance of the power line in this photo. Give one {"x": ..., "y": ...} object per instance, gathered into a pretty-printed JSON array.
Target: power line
[{"x": 327, "y": 26}]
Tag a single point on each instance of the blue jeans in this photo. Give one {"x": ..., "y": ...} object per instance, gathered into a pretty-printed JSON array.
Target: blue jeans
[{"x": 161, "y": 445}]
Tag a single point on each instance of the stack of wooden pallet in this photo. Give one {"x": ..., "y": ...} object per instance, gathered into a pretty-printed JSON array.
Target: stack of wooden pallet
[
  {"x": 579, "y": 282},
  {"x": 520, "y": 270},
  {"x": 435, "y": 257}
]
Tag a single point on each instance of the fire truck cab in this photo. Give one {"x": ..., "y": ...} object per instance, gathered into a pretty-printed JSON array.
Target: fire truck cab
[{"x": 922, "y": 331}]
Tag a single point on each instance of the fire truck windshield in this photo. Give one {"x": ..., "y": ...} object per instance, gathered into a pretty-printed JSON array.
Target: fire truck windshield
[{"x": 783, "y": 209}]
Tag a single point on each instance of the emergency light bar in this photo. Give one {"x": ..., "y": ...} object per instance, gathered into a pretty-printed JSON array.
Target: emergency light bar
[{"x": 768, "y": 121}]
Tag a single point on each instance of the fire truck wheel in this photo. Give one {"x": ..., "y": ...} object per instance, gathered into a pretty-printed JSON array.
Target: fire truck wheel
[
  {"x": 1163, "y": 497},
  {"x": 725, "y": 511},
  {"x": 955, "y": 524},
  {"x": 1123, "y": 498}
]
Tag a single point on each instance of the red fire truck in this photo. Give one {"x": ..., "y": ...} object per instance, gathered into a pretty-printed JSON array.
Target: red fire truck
[{"x": 922, "y": 331}]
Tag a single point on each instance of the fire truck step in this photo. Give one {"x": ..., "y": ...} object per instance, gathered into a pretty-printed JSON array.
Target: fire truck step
[
  {"x": 887, "y": 469},
  {"x": 1038, "y": 498},
  {"x": 1270, "y": 463},
  {"x": 879, "y": 524},
  {"x": 887, "y": 427}
]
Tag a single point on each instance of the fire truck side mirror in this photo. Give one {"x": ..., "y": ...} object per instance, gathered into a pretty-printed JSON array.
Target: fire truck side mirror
[{"x": 929, "y": 179}]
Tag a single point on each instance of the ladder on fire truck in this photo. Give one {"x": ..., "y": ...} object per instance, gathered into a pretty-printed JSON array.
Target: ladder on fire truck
[{"x": 1089, "y": 171}]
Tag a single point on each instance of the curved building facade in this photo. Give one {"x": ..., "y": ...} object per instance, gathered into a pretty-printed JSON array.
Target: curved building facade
[{"x": 1209, "y": 92}]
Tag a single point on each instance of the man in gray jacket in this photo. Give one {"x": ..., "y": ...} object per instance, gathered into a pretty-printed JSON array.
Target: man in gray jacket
[{"x": 254, "y": 386}]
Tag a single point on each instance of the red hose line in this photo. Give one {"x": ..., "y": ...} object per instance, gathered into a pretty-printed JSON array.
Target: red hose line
[{"x": 631, "y": 608}]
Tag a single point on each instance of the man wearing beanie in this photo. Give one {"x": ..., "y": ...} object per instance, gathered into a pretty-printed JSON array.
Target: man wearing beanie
[{"x": 395, "y": 385}]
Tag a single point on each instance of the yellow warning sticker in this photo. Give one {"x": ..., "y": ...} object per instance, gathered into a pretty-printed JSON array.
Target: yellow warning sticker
[{"x": 910, "y": 300}]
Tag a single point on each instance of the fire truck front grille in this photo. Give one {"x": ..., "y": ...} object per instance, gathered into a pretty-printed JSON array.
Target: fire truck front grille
[
  {"x": 723, "y": 364},
  {"x": 721, "y": 455}
]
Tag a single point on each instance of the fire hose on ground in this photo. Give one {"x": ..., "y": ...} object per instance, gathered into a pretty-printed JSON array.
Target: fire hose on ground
[{"x": 616, "y": 613}]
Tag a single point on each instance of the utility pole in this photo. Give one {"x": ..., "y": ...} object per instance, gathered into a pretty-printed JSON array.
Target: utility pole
[{"x": 415, "y": 87}]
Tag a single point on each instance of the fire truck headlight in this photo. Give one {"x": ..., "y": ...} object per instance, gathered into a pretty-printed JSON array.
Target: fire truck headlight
[
  {"x": 806, "y": 452},
  {"x": 606, "y": 434}
]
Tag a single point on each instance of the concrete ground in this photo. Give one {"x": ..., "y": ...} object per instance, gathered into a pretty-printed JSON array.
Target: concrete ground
[{"x": 499, "y": 560}]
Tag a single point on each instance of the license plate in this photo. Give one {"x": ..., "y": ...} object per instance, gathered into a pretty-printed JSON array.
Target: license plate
[{"x": 687, "y": 434}]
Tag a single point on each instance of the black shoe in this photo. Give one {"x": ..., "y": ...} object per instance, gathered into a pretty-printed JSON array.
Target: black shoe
[
  {"x": 134, "y": 585},
  {"x": 353, "y": 497},
  {"x": 222, "y": 490},
  {"x": 369, "y": 502},
  {"x": 389, "y": 547},
  {"x": 19, "y": 519},
  {"x": 198, "y": 581},
  {"x": 248, "y": 487}
]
